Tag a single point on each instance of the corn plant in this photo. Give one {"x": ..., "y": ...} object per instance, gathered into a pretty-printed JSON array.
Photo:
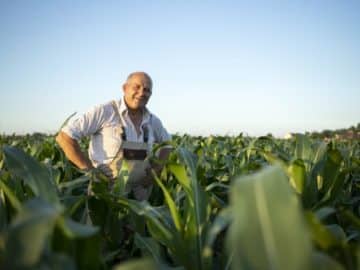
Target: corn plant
[{"x": 220, "y": 202}]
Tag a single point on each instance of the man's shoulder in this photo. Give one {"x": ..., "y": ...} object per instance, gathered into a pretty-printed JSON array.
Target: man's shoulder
[
  {"x": 160, "y": 132},
  {"x": 155, "y": 120},
  {"x": 103, "y": 108}
]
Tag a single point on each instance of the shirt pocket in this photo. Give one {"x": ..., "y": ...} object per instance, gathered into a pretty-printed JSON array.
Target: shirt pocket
[
  {"x": 117, "y": 132},
  {"x": 111, "y": 139}
]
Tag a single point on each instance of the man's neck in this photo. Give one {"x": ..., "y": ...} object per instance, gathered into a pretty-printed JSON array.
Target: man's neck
[{"x": 136, "y": 112}]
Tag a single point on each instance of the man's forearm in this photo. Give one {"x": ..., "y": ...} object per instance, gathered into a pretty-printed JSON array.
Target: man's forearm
[{"x": 73, "y": 151}]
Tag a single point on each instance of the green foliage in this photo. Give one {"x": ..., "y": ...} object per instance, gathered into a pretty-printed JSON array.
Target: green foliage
[
  {"x": 268, "y": 218},
  {"x": 219, "y": 203}
]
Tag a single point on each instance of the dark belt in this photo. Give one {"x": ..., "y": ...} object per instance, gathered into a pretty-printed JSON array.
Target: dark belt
[{"x": 134, "y": 154}]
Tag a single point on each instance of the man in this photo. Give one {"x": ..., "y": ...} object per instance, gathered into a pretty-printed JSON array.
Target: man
[{"x": 119, "y": 130}]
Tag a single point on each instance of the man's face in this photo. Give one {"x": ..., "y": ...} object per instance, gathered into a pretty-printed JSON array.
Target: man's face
[{"x": 137, "y": 92}]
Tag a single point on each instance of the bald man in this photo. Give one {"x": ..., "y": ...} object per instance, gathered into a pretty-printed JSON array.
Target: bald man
[{"x": 119, "y": 130}]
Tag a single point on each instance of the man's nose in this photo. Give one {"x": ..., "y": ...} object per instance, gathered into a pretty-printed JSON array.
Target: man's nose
[{"x": 144, "y": 91}]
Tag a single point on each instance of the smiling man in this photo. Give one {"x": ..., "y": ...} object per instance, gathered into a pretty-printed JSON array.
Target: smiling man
[{"x": 119, "y": 130}]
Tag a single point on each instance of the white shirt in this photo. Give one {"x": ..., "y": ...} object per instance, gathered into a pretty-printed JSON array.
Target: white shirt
[{"x": 102, "y": 124}]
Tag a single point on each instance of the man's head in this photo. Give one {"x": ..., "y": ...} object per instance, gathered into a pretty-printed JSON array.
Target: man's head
[{"x": 137, "y": 90}]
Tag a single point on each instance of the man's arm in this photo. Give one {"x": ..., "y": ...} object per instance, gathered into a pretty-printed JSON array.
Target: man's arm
[{"x": 73, "y": 151}]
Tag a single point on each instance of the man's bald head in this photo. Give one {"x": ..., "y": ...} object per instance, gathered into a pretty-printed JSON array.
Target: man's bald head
[
  {"x": 137, "y": 90},
  {"x": 140, "y": 74}
]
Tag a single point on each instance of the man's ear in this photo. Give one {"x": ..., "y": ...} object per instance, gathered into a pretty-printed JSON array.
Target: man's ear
[{"x": 124, "y": 87}]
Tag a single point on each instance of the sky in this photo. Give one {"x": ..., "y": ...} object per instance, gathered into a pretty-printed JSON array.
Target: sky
[{"x": 219, "y": 67}]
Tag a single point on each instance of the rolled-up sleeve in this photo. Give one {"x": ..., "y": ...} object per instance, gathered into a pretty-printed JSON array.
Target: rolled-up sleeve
[{"x": 85, "y": 124}]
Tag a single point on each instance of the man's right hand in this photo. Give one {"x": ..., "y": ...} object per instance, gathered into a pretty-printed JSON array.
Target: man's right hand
[{"x": 105, "y": 169}]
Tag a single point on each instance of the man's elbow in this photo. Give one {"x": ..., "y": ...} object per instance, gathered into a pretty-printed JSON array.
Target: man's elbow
[
  {"x": 62, "y": 139},
  {"x": 59, "y": 138}
]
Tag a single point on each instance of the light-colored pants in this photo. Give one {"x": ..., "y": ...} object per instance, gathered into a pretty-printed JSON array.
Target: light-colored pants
[{"x": 138, "y": 178}]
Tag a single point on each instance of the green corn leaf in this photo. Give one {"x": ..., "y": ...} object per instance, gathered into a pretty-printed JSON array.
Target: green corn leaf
[
  {"x": 32, "y": 172},
  {"x": 320, "y": 234},
  {"x": 303, "y": 148},
  {"x": 139, "y": 264},
  {"x": 172, "y": 206},
  {"x": 325, "y": 212},
  {"x": 4, "y": 219},
  {"x": 350, "y": 217},
  {"x": 161, "y": 231},
  {"x": 333, "y": 177},
  {"x": 297, "y": 175},
  {"x": 74, "y": 229},
  {"x": 321, "y": 261},
  {"x": 57, "y": 261},
  {"x": 221, "y": 222},
  {"x": 26, "y": 237},
  {"x": 150, "y": 247},
  {"x": 11, "y": 196},
  {"x": 197, "y": 211},
  {"x": 88, "y": 255},
  {"x": 320, "y": 152},
  {"x": 266, "y": 218},
  {"x": 180, "y": 173}
]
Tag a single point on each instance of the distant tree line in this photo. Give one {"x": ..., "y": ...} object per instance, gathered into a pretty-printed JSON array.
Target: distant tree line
[{"x": 352, "y": 132}]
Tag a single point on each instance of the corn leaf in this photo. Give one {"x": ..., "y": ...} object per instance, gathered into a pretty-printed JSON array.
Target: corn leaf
[
  {"x": 32, "y": 172},
  {"x": 266, "y": 218}
]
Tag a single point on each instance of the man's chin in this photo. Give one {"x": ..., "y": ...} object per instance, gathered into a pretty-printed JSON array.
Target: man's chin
[
  {"x": 137, "y": 106},
  {"x": 140, "y": 104}
]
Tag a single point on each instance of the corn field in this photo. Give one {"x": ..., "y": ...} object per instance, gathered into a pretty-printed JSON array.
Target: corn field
[{"x": 219, "y": 203}]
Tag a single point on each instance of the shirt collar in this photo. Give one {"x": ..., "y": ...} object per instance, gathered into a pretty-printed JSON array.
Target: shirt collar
[{"x": 124, "y": 110}]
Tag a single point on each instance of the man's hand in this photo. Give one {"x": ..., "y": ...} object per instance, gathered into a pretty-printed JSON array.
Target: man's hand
[{"x": 105, "y": 169}]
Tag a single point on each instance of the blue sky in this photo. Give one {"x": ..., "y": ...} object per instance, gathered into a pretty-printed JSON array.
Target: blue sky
[{"x": 219, "y": 67}]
